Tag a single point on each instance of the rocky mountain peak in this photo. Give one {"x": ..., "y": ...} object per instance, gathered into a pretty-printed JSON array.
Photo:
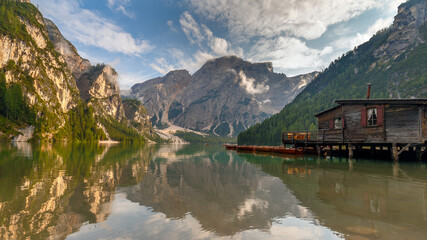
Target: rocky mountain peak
[
  {"x": 234, "y": 62},
  {"x": 75, "y": 63},
  {"x": 225, "y": 96},
  {"x": 405, "y": 32}
]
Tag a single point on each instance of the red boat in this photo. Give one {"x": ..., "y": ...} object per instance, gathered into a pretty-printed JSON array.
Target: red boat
[
  {"x": 230, "y": 147},
  {"x": 246, "y": 148},
  {"x": 287, "y": 150}
]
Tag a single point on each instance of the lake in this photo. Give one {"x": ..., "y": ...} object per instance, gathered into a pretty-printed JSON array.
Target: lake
[{"x": 124, "y": 191}]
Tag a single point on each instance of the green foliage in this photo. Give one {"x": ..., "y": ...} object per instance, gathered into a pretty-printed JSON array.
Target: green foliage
[
  {"x": 196, "y": 138},
  {"x": 83, "y": 124},
  {"x": 13, "y": 104},
  {"x": 134, "y": 103},
  {"x": 346, "y": 78},
  {"x": 223, "y": 129},
  {"x": 120, "y": 131},
  {"x": 10, "y": 14}
]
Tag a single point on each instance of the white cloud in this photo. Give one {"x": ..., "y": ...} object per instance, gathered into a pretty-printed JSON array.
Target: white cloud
[
  {"x": 349, "y": 42},
  {"x": 191, "y": 28},
  {"x": 120, "y": 5},
  {"x": 287, "y": 53},
  {"x": 89, "y": 28},
  {"x": 307, "y": 19},
  {"x": 249, "y": 85},
  {"x": 181, "y": 61},
  {"x": 210, "y": 47},
  {"x": 162, "y": 66},
  {"x": 171, "y": 26},
  {"x": 127, "y": 80}
]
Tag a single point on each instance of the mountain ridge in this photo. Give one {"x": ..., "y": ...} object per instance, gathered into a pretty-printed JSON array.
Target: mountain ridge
[{"x": 225, "y": 96}]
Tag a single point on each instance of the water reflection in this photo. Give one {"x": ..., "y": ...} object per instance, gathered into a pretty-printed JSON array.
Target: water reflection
[
  {"x": 49, "y": 191},
  {"x": 89, "y": 191},
  {"x": 362, "y": 199}
]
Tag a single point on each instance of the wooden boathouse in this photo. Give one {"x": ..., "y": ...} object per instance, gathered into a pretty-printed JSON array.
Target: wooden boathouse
[{"x": 392, "y": 126}]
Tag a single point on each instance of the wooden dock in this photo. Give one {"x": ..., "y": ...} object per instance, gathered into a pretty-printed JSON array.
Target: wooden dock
[{"x": 375, "y": 127}]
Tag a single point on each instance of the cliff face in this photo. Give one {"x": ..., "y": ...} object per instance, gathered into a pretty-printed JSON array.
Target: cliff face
[
  {"x": 28, "y": 58},
  {"x": 224, "y": 97},
  {"x": 75, "y": 63},
  {"x": 406, "y": 33},
  {"x": 53, "y": 77}
]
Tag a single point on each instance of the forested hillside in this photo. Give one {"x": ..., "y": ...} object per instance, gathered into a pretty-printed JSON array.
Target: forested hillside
[{"x": 393, "y": 60}]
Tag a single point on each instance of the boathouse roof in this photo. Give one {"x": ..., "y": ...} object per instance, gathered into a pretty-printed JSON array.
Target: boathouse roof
[{"x": 400, "y": 101}]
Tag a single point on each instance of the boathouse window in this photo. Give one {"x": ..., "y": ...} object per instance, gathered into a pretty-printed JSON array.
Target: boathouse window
[
  {"x": 337, "y": 123},
  {"x": 372, "y": 116}
]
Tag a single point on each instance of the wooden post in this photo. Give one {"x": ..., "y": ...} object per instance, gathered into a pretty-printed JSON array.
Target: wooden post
[
  {"x": 350, "y": 165},
  {"x": 418, "y": 153},
  {"x": 350, "y": 150},
  {"x": 318, "y": 150},
  {"x": 395, "y": 152}
]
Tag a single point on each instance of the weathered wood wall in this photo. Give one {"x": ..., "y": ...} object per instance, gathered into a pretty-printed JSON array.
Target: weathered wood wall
[
  {"x": 354, "y": 129},
  {"x": 402, "y": 123}
]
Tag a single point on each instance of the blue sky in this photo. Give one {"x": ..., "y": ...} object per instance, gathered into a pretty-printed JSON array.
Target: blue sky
[{"x": 148, "y": 38}]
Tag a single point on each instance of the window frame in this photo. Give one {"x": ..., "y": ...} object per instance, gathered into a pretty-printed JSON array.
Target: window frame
[
  {"x": 373, "y": 122},
  {"x": 340, "y": 122}
]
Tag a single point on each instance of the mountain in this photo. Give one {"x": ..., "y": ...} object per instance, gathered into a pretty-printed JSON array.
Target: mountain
[
  {"x": 224, "y": 97},
  {"x": 48, "y": 92},
  {"x": 393, "y": 60}
]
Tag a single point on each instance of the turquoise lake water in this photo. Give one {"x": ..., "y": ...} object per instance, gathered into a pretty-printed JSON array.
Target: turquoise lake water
[{"x": 91, "y": 191}]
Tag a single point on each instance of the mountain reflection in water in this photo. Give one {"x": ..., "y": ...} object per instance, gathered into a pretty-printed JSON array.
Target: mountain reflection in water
[{"x": 90, "y": 191}]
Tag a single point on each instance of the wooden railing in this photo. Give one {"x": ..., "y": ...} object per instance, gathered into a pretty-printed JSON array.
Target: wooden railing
[{"x": 320, "y": 135}]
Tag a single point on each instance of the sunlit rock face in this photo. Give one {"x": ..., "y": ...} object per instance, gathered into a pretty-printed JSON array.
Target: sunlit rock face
[
  {"x": 224, "y": 97},
  {"x": 53, "y": 77},
  {"x": 99, "y": 87}
]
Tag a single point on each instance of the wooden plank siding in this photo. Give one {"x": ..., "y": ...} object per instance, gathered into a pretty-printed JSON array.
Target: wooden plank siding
[
  {"x": 354, "y": 130},
  {"x": 400, "y": 123}
]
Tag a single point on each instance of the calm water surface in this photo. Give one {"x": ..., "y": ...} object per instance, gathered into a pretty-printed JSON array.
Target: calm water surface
[{"x": 83, "y": 191}]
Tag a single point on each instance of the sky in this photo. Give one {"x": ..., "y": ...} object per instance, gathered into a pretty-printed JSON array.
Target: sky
[{"x": 148, "y": 38}]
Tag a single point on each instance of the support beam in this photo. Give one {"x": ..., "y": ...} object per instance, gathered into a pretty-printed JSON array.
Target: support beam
[
  {"x": 395, "y": 153},
  {"x": 404, "y": 148},
  {"x": 350, "y": 150}
]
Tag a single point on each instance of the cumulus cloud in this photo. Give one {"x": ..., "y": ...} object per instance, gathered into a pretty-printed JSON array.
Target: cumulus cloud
[
  {"x": 181, "y": 61},
  {"x": 249, "y": 85},
  {"x": 120, "y": 5},
  {"x": 171, "y": 26},
  {"x": 210, "y": 46},
  {"x": 92, "y": 29},
  {"x": 191, "y": 28},
  {"x": 307, "y": 19},
  {"x": 287, "y": 53},
  {"x": 349, "y": 42}
]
